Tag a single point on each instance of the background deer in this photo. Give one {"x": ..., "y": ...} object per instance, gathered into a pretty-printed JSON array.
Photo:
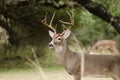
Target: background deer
[
  {"x": 108, "y": 65},
  {"x": 104, "y": 45}
]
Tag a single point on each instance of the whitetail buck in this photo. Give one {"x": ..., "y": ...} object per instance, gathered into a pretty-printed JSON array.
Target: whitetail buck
[
  {"x": 108, "y": 65},
  {"x": 104, "y": 45}
]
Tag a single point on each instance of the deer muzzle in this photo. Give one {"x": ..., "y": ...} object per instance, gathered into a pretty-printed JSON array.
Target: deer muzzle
[{"x": 51, "y": 45}]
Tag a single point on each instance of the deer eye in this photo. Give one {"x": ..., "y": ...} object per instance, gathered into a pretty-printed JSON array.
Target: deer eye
[{"x": 59, "y": 38}]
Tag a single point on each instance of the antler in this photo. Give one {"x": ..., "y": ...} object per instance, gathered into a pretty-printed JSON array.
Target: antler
[
  {"x": 49, "y": 25},
  {"x": 71, "y": 23}
]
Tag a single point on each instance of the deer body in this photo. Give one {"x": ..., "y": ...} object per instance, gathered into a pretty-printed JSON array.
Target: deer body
[
  {"x": 105, "y": 45},
  {"x": 104, "y": 65},
  {"x": 108, "y": 65}
]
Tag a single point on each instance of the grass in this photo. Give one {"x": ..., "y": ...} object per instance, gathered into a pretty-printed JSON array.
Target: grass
[{"x": 51, "y": 74}]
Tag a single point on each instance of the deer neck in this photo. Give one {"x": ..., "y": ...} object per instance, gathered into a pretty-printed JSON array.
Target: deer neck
[
  {"x": 62, "y": 51},
  {"x": 61, "y": 47}
]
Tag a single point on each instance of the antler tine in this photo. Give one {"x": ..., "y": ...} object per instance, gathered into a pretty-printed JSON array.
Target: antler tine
[
  {"x": 49, "y": 25},
  {"x": 72, "y": 17},
  {"x": 44, "y": 20},
  {"x": 71, "y": 23}
]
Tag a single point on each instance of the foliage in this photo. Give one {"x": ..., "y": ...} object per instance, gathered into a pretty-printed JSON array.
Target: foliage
[
  {"x": 112, "y": 5},
  {"x": 92, "y": 29}
]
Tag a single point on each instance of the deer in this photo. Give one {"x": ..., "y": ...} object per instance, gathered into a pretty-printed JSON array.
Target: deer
[
  {"x": 101, "y": 45},
  {"x": 103, "y": 65}
]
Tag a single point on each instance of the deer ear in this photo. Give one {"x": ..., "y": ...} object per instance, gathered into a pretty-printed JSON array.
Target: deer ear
[
  {"x": 66, "y": 34},
  {"x": 51, "y": 34}
]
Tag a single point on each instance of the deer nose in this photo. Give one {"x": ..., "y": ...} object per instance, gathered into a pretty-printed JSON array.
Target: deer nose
[{"x": 51, "y": 45}]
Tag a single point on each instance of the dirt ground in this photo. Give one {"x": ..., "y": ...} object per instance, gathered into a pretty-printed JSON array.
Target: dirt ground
[{"x": 34, "y": 75}]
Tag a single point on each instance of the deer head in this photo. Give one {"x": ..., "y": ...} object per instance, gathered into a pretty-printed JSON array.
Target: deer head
[{"x": 58, "y": 38}]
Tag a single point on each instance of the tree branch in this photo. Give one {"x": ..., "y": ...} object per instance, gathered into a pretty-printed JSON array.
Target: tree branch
[
  {"x": 93, "y": 7},
  {"x": 100, "y": 11}
]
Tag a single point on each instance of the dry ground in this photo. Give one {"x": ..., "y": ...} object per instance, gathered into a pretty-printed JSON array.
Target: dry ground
[{"x": 34, "y": 75}]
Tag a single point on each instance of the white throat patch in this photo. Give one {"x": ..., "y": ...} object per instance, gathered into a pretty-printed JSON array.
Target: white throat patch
[{"x": 58, "y": 49}]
